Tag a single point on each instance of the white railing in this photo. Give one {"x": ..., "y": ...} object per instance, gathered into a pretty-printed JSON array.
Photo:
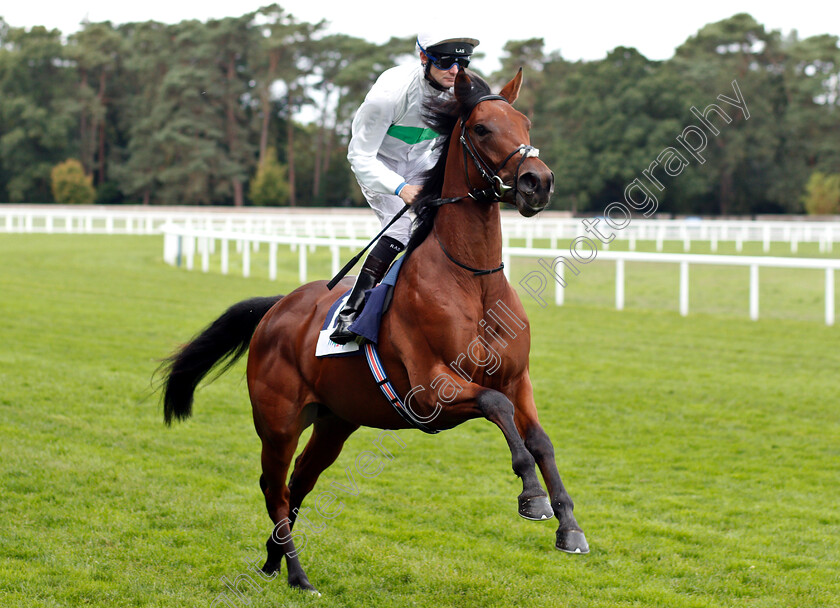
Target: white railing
[
  {"x": 182, "y": 245},
  {"x": 341, "y": 223},
  {"x": 553, "y": 263},
  {"x": 683, "y": 230},
  {"x": 117, "y": 221}
]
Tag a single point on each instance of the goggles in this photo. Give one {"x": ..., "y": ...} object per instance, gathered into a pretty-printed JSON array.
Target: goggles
[{"x": 445, "y": 62}]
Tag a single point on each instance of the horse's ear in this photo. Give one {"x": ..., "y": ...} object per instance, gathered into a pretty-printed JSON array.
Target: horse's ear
[
  {"x": 463, "y": 85},
  {"x": 511, "y": 89}
]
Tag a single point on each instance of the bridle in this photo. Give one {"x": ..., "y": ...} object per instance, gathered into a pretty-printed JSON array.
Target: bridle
[
  {"x": 496, "y": 187},
  {"x": 494, "y": 192}
]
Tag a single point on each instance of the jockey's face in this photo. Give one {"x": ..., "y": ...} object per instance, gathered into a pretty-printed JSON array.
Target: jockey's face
[{"x": 445, "y": 78}]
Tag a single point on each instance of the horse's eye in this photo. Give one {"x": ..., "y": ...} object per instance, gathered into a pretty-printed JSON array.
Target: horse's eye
[{"x": 480, "y": 130}]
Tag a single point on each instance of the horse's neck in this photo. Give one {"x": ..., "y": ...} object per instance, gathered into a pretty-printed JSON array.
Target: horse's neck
[{"x": 471, "y": 231}]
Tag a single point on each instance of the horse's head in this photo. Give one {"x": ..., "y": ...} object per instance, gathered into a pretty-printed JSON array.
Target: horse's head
[{"x": 496, "y": 138}]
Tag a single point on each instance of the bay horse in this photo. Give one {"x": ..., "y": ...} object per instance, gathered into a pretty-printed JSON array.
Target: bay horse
[{"x": 440, "y": 332}]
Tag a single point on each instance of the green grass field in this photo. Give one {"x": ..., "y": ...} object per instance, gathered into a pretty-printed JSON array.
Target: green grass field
[{"x": 703, "y": 453}]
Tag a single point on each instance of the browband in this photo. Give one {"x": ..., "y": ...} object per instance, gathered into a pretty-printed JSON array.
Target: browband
[{"x": 485, "y": 98}]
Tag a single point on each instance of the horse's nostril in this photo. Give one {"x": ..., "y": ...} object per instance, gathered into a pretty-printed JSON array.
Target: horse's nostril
[{"x": 529, "y": 182}]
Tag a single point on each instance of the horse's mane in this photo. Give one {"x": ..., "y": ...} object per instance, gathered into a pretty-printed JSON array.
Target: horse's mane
[{"x": 441, "y": 115}]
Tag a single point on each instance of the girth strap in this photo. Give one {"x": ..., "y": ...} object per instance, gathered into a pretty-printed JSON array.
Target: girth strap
[{"x": 384, "y": 384}]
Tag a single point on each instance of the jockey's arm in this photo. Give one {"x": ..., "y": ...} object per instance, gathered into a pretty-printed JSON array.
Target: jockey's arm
[{"x": 370, "y": 126}]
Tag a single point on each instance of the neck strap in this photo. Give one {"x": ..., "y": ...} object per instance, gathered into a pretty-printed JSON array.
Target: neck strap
[{"x": 476, "y": 271}]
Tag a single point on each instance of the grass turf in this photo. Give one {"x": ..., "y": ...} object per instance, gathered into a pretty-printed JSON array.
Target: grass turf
[{"x": 701, "y": 452}]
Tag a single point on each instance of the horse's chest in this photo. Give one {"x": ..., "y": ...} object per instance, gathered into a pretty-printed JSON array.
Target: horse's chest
[
  {"x": 488, "y": 351},
  {"x": 479, "y": 336}
]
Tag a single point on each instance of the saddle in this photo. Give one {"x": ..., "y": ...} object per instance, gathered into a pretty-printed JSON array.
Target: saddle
[{"x": 366, "y": 326}]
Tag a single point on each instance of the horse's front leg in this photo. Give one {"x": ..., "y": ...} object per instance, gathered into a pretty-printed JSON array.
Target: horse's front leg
[
  {"x": 466, "y": 401},
  {"x": 570, "y": 537},
  {"x": 499, "y": 410}
]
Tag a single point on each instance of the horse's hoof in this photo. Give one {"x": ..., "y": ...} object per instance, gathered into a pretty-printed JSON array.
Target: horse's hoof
[
  {"x": 305, "y": 586},
  {"x": 571, "y": 541},
  {"x": 270, "y": 567},
  {"x": 536, "y": 508}
]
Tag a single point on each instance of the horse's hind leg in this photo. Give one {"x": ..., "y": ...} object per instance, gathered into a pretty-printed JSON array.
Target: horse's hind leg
[
  {"x": 278, "y": 449},
  {"x": 324, "y": 446}
]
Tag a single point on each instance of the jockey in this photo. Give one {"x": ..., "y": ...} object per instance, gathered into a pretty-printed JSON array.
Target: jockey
[{"x": 390, "y": 148}]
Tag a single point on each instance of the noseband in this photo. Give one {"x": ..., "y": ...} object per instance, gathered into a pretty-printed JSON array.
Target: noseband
[{"x": 496, "y": 188}]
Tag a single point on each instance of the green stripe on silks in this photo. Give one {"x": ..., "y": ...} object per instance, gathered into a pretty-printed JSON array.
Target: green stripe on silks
[{"x": 411, "y": 135}]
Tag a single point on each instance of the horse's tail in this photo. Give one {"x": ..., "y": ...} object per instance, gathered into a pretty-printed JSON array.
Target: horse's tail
[{"x": 227, "y": 338}]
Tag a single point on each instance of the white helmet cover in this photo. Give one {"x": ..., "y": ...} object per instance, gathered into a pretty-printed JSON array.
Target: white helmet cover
[{"x": 444, "y": 44}]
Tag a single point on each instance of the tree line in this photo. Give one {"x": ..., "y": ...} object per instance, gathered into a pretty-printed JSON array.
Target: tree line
[{"x": 203, "y": 113}]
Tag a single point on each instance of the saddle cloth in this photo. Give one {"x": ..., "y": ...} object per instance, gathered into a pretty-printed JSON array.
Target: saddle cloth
[{"x": 366, "y": 324}]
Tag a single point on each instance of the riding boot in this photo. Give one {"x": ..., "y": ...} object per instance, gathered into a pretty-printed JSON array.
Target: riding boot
[
  {"x": 352, "y": 308},
  {"x": 374, "y": 268}
]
